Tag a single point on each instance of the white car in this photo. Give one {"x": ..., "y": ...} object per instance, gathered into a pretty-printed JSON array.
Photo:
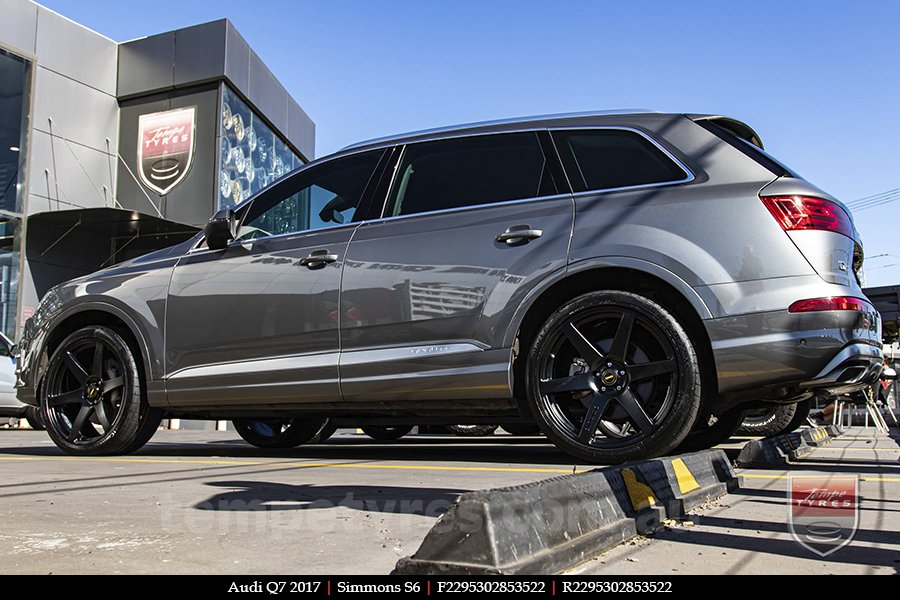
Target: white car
[{"x": 9, "y": 404}]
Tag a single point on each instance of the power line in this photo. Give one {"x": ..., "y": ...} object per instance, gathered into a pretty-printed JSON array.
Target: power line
[{"x": 874, "y": 200}]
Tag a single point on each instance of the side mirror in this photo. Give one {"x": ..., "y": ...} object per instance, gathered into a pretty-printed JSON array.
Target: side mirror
[{"x": 221, "y": 229}]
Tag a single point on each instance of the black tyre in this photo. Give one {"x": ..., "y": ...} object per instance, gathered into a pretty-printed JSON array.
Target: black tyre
[
  {"x": 769, "y": 421},
  {"x": 284, "y": 432},
  {"x": 92, "y": 398},
  {"x": 800, "y": 417},
  {"x": 713, "y": 431},
  {"x": 33, "y": 414},
  {"x": 326, "y": 432},
  {"x": 473, "y": 430},
  {"x": 523, "y": 429},
  {"x": 386, "y": 434},
  {"x": 613, "y": 377}
]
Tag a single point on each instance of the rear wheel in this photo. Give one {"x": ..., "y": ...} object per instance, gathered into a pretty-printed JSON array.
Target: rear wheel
[
  {"x": 613, "y": 377},
  {"x": 473, "y": 430},
  {"x": 279, "y": 433},
  {"x": 800, "y": 417},
  {"x": 386, "y": 434},
  {"x": 714, "y": 431},
  {"x": 92, "y": 399},
  {"x": 768, "y": 421},
  {"x": 326, "y": 432}
]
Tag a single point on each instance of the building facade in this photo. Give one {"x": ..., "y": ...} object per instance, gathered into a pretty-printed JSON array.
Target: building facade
[{"x": 110, "y": 150}]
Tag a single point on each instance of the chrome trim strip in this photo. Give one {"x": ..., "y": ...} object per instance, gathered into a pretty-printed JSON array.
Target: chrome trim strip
[
  {"x": 361, "y": 357},
  {"x": 509, "y": 121},
  {"x": 326, "y": 359}
]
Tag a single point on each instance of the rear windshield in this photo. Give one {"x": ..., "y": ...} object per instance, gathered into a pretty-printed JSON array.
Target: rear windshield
[{"x": 755, "y": 152}]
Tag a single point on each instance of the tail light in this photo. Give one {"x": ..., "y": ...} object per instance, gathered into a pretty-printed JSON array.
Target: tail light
[
  {"x": 795, "y": 213},
  {"x": 831, "y": 303}
]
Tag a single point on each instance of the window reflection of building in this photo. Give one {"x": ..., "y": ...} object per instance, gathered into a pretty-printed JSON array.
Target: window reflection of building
[
  {"x": 15, "y": 84},
  {"x": 251, "y": 155}
]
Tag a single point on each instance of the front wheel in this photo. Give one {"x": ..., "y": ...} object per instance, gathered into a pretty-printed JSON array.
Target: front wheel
[
  {"x": 613, "y": 377},
  {"x": 279, "y": 433},
  {"x": 92, "y": 399},
  {"x": 33, "y": 414}
]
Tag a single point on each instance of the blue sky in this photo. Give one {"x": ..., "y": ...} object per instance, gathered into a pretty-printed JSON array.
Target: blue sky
[{"x": 820, "y": 81}]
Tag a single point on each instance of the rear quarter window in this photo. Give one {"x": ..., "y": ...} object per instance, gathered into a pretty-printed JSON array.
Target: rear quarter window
[{"x": 603, "y": 159}]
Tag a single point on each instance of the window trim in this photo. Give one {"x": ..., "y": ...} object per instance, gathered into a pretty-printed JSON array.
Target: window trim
[
  {"x": 688, "y": 178},
  {"x": 548, "y": 165}
]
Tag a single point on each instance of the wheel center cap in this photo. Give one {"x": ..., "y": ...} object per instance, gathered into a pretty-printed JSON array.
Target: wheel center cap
[
  {"x": 92, "y": 392},
  {"x": 609, "y": 377}
]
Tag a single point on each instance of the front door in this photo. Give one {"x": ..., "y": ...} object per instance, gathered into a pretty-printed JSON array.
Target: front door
[
  {"x": 257, "y": 322},
  {"x": 470, "y": 226}
]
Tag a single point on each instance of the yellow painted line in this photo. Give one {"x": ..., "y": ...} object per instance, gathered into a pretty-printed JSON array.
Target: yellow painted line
[
  {"x": 861, "y": 477},
  {"x": 238, "y": 463}
]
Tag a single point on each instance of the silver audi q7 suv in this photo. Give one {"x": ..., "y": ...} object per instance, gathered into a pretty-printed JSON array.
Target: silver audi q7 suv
[{"x": 627, "y": 281}]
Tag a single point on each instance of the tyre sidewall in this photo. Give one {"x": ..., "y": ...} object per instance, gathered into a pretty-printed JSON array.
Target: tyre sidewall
[
  {"x": 124, "y": 429},
  {"x": 675, "y": 425}
]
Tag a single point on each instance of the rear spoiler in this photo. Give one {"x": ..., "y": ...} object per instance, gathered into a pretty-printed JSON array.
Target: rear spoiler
[{"x": 733, "y": 126}]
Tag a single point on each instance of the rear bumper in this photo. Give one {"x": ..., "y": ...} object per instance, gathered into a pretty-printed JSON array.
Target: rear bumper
[
  {"x": 775, "y": 355},
  {"x": 854, "y": 368}
]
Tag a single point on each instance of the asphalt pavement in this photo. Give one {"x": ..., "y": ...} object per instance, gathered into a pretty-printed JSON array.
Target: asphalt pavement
[{"x": 206, "y": 502}]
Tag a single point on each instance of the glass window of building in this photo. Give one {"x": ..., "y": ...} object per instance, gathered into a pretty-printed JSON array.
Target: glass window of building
[
  {"x": 251, "y": 155},
  {"x": 15, "y": 84}
]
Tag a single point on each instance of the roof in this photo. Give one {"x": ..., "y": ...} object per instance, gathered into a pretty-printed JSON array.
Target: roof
[{"x": 496, "y": 124}]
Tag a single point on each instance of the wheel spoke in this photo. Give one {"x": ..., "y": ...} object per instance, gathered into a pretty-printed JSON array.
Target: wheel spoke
[
  {"x": 111, "y": 384},
  {"x": 100, "y": 408},
  {"x": 75, "y": 368},
  {"x": 585, "y": 349},
  {"x": 592, "y": 417},
  {"x": 97, "y": 364},
  {"x": 619, "y": 346},
  {"x": 651, "y": 369},
  {"x": 629, "y": 402},
  {"x": 574, "y": 383},
  {"x": 67, "y": 398},
  {"x": 80, "y": 421}
]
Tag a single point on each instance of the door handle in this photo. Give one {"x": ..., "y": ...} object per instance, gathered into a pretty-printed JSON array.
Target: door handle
[
  {"x": 317, "y": 258},
  {"x": 519, "y": 233}
]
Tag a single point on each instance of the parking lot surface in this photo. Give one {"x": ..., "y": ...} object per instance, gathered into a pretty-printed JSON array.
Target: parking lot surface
[{"x": 206, "y": 502}]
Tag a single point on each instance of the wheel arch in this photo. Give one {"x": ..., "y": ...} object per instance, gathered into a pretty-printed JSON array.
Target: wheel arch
[
  {"x": 614, "y": 274},
  {"x": 96, "y": 313}
]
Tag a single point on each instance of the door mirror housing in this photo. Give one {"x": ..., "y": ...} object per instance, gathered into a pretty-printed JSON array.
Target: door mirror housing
[{"x": 221, "y": 229}]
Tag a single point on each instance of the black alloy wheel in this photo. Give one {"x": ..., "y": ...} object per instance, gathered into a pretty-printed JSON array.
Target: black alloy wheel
[
  {"x": 278, "y": 432},
  {"x": 613, "y": 377},
  {"x": 92, "y": 401}
]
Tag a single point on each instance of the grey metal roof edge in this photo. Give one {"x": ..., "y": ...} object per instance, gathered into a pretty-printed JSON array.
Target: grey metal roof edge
[{"x": 496, "y": 122}]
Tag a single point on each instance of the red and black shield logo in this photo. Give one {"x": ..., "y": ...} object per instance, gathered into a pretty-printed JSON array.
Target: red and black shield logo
[
  {"x": 165, "y": 147},
  {"x": 823, "y": 514}
]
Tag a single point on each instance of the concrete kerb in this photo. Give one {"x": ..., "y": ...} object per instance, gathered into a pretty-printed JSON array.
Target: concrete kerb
[
  {"x": 550, "y": 525},
  {"x": 781, "y": 449}
]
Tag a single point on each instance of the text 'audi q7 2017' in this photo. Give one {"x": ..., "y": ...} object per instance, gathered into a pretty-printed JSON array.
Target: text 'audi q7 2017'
[{"x": 631, "y": 282}]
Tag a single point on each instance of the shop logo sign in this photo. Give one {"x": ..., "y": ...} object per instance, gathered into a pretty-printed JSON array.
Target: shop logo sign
[
  {"x": 165, "y": 147},
  {"x": 823, "y": 511}
]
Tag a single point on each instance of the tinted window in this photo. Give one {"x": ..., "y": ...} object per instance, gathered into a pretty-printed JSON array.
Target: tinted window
[
  {"x": 610, "y": 158},
  {"x": 321, "y": 196},
  {"x": 469, "y": 171}
]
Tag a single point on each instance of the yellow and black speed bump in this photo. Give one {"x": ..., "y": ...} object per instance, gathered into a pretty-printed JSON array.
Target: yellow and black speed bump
[
  {"x": 780, "y": 450},
  {"x": 551, "y": 525}
]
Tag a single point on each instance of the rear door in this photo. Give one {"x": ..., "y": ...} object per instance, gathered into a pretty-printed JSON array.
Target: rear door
[{"x": 470, "y": 225}]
